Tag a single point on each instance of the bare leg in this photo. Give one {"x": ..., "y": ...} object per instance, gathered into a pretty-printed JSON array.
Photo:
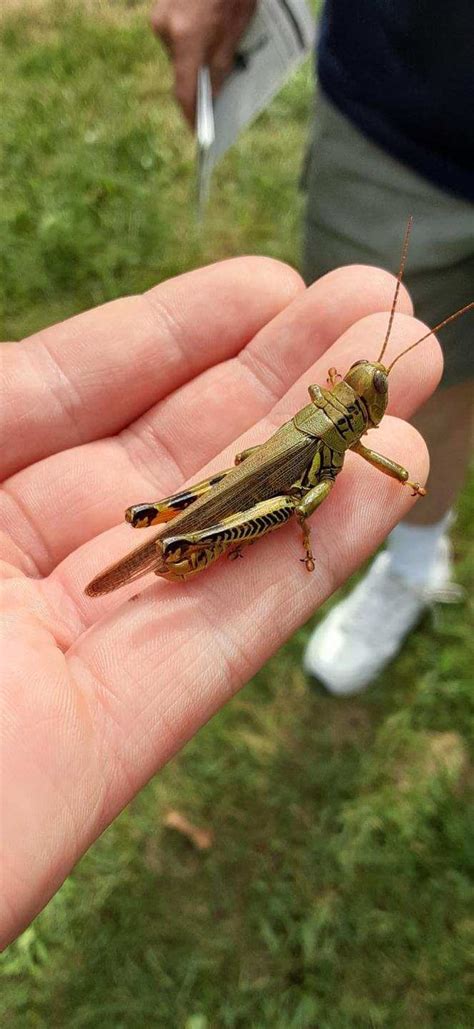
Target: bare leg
[{"x": 446, "y": 423}]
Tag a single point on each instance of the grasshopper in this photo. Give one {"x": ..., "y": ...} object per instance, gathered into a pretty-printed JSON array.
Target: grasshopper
[{"x": 288, "y": 475}]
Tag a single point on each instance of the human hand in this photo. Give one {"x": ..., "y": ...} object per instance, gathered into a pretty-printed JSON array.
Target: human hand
[
  {"x": 122, "y": 404},
  {"x": 198, "y": 32}
]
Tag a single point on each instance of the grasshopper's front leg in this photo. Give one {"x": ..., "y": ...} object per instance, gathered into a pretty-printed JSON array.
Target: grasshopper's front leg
[
  {"x": 304, "y": 508},
  {"x": 384, "y": 464}
]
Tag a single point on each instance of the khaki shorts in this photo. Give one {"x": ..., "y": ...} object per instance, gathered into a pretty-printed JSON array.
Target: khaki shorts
[{"x": 358, "y": 202}]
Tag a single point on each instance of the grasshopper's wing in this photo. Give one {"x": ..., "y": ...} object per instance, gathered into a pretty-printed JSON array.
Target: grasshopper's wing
[
  {"x": 268, "y": 472},
  {"x": 138, "y": 562}
]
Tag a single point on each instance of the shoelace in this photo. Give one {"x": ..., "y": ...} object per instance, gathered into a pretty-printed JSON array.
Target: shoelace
[{"x": 449, "y": 593}]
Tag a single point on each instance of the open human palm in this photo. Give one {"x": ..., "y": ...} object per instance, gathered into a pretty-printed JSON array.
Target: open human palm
[{"x": 124, "y": 404}]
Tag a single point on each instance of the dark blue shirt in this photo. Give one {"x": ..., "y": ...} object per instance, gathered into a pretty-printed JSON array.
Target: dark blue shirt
[{"x": 403, "y": 72}]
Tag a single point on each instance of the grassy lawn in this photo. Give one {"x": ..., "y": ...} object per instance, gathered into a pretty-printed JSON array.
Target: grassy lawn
[{"x": 336, "y": 891}]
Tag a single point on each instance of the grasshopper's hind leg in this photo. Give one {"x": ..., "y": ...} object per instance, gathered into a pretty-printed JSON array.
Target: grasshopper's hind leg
[
  {"x": 155, "y": 513},
  {"x": 184, "y": 556},
  {"x": 141, "y": 516}
]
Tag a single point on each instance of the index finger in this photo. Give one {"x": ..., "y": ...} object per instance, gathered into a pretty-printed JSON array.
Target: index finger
[
  {"x": 92, "y": 375},
  {"x": 187, "y": 61}
]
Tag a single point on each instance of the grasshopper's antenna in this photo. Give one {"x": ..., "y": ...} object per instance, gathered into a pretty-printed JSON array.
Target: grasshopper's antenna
[
  {"x": 457, "y": 314},
  {"x": 397, "y": 287}
]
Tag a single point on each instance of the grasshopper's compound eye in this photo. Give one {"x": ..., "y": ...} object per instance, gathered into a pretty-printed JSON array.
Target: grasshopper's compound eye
[{"x": 380, "y": 382}]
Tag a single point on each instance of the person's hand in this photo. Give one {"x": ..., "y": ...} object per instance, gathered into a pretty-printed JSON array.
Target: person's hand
[
  {"x": 198, "y": 32},
  {"x": 122, "y": 405}
]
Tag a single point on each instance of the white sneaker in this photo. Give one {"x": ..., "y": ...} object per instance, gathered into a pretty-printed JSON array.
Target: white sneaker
[{"x": 365, "y": 631}]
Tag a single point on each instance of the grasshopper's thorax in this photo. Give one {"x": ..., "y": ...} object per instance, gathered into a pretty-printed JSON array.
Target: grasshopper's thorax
[{"x": 369, "y": 380}]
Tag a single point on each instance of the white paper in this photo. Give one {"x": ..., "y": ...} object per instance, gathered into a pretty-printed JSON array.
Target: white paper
[
  {"x": 205, "y": 133},
  {"x": 278, "y": 39}
]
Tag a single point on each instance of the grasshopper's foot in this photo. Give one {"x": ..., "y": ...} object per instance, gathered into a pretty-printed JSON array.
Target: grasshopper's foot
[
  {"x": 244, "y": 454},
  {"x": 308, "y": 559},
  {"x": 417, "y": 489},
  {"x": 333, "y": 377},
  {"x": 234, "y": 554}
]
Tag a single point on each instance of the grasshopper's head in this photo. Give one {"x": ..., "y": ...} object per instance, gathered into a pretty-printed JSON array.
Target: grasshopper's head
[{"x": 369, "y": 379}]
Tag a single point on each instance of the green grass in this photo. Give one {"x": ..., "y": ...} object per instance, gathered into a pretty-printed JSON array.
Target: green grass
[
  {"x": 97, "y": 199},
  {"x": 336, "y": 893}
]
